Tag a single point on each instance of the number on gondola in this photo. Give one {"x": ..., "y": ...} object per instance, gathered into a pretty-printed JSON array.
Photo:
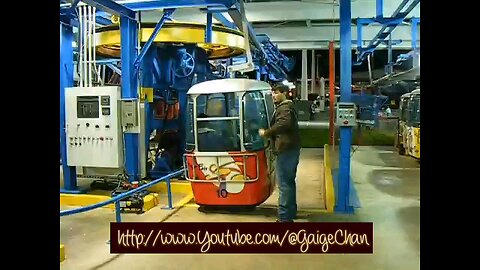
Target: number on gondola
[{"x": 222, "y": 193}]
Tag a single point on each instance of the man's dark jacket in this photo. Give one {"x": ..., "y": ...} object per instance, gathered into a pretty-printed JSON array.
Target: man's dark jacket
[{"x": 284, "y": 131}]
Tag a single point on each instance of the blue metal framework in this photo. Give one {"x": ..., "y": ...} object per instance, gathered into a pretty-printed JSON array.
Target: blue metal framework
[
  {"x": 388, "y": 25},
  {"x": 132, "y": 61},
  {"x": 166, "y": 14},
  {"x": 271, "y": 62},
  {"x": 112, "y": 7},
  {"x": 268, "y": 54}
]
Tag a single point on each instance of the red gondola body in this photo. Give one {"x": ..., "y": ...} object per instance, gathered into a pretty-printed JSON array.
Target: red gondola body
[{"x": 208, "y": 190}]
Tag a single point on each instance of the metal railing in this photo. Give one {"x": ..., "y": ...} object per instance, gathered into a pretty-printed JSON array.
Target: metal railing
[{"x": 117, "y": 199}]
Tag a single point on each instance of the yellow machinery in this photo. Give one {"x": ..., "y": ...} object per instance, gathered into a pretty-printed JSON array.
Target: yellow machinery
[{"x": 408, "y": 131}]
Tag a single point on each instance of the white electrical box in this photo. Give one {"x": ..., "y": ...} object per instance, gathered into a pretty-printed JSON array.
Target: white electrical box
[
  {"x": 93, "y": 128},
  {"x": 346, "y": 114}
]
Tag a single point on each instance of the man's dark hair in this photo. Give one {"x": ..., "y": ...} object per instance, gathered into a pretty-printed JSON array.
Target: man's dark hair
[{"x": 280, "y": 87}]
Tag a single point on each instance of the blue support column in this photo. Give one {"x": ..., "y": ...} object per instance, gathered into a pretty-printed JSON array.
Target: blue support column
[
  {"x": 208, "y": 30},
  {"x": 343, "y": 193},
  {"x": 414, "y": 22},
  {"x": 129, "y": 36},
  {"x": 359, "y": 34},
  {"x": 66, "y": 80},
  {"x": 379, "y": 8}
]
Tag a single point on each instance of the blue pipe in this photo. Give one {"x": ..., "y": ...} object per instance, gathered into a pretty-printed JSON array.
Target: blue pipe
[{"x": 124, "y": 195}]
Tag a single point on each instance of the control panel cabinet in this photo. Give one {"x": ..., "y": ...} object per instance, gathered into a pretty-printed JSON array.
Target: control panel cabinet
[{"x": 93, "y": 128}]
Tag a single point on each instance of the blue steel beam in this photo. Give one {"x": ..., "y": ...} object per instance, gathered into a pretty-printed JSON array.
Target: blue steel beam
[
  {"x": 414, "y": 22},
  {"x": 107, "y": 61},
  {"x": 343, "y": 193},
  {"x": 393, "y": 41},
  {"x": 102, "y": 20},
  {"x": 111, "y": 7},
  {"x": 359, "y": 35},
  {"x": 208, "y": 30},
  {"x": 379, "y": 8},
  {"x": 223, "y": 20},
  {"x": 166, "y": 14},
  {"x": 74, "y": 5},
  {"x": 128, "y": 40},
  {"x": 156, "y": 70},
  {"x": 66, "y": 80},
  {"x": 115, "y": 69},
  {"x": 387, "y": 21},
  {"x": 161, "y": 4}
]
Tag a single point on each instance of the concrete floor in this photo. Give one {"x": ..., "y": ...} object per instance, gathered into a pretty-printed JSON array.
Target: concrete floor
[{"x": 388, "y": 186}]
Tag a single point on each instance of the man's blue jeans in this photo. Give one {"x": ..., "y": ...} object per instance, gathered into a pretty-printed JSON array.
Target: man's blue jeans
[{"x": 286, "y": 172}]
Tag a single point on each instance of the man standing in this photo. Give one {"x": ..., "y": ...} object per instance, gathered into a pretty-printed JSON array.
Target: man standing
[{"x": 285, "y": 138}]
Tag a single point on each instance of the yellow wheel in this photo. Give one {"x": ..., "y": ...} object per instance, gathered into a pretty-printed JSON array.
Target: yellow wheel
[{"x": 225, "y": 43}]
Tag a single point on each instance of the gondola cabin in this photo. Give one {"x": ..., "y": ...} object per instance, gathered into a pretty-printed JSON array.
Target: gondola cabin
[{"x": 226, "y": 161}]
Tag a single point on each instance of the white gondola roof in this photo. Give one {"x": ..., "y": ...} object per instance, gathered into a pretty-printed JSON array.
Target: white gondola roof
[
  {"x": 414, "y": 92},
  {"x": 228, "y": 85}
]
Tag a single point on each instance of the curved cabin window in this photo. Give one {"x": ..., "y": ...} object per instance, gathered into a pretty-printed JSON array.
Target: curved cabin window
[
  {"x": 218, "y": 125},
  {"x": 403, "y": 109},
  {"x": 270, "y": 105},
  {"x": 415, "y": 114},
  {"x": 254, "y": 117}
]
